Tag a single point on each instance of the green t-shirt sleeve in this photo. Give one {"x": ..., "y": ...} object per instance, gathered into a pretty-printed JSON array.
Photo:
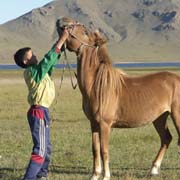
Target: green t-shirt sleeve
[{"x": 46, "y": 65}]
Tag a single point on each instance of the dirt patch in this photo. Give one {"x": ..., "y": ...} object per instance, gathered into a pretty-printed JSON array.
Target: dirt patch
[{"x": 13, "y": 81}]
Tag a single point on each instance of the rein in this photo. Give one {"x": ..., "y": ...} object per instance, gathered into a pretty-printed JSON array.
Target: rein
[
  {"x": 69, "y": 68},
  {"x": 74, "y": 85}
]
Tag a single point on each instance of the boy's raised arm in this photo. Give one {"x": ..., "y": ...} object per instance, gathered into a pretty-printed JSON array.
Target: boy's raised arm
[{"x": 49, "y": 60}]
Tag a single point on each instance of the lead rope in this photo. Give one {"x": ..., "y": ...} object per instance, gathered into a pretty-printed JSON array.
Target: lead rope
[
  {"x": 53, "y": 117},
  {"x": 61, "y": 82},
  {"x": 74, "y": 85}
]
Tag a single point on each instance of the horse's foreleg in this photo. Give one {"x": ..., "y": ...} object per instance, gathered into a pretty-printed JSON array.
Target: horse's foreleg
[
  {"x": 96, "y": 152},
  {"x": 104, "y": 140},
  {"x": 165, "y": 136}
]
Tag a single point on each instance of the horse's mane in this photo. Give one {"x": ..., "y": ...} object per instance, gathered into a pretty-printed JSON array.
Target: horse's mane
[{"x": 109, "y": 81}]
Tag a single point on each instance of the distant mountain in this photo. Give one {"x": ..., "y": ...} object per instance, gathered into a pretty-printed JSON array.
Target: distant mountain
[{"x": 138, "y": 30}]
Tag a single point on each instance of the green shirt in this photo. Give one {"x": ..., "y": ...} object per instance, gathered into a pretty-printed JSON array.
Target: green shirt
[{"x": 37, "y": 77}]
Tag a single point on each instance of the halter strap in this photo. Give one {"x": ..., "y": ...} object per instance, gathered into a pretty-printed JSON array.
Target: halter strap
[{"x": 73, "y": 35}]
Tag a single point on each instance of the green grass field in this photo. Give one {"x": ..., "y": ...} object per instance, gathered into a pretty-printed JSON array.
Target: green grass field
[{"x": 131, "y": 150}]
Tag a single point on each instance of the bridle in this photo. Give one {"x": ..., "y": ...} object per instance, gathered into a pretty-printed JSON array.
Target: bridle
[
  {"x": 82, "y": 44},
  {"x": 74, "y": 36},
  {"x": 72, "y": 27}
]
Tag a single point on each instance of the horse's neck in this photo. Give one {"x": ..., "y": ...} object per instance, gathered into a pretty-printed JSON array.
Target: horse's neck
[
  {"x": 86, "y": 69},
  {"x": 88, "y": 65}
]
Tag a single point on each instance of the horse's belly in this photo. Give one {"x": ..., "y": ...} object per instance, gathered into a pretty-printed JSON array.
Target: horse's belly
[
  {"x": 139, "y": 119},
  {"x": 130, "y": 124}
]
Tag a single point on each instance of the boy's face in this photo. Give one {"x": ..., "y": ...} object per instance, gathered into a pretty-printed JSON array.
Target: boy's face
[{"x": 30, "y": 58}]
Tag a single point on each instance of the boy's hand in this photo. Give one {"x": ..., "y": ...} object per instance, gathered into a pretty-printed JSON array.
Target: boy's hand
[
  {"x": 65, "y": 35},
  {"x": 63, "y": 38}
]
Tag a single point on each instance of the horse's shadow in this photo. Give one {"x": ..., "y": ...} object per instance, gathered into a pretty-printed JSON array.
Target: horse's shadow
[{"x": 138, "y": 172}]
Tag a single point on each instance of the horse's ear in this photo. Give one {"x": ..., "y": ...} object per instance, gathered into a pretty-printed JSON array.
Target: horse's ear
[
  {"x": 99, "y": 40},
  {"x": 97, "y": 33}
]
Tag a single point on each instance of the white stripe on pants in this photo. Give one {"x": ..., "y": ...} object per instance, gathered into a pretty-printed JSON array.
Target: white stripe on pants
[{"x": 42, "y": 138}]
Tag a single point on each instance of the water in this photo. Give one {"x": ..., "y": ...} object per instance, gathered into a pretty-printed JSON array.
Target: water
[{"x": 120, "y": 65}]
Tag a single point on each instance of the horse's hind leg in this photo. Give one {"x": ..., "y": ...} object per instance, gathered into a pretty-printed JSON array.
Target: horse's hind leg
[
  {"x": 175, "y": 115},
  {"x": 161, "y": 126}
]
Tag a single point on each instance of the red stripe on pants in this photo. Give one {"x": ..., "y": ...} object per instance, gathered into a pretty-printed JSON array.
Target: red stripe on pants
[
  {"x": 38, "y": 113},
  {"x": 36, "y": 158}
]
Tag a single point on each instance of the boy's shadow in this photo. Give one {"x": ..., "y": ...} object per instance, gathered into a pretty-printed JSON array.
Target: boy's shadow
[{"x": 10, "y": 173}]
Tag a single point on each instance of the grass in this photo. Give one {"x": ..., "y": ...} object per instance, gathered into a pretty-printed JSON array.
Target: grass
[{"x": 131, "y": 150}]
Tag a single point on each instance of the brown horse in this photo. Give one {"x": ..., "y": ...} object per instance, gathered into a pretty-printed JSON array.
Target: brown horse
[{"x": 113, "y": 99}]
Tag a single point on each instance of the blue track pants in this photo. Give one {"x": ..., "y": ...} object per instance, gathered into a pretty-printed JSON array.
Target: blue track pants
[{"x": 39, "y": 122}]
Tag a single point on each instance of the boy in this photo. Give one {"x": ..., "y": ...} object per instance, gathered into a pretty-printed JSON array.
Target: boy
[{"x": 41, "y": 94}]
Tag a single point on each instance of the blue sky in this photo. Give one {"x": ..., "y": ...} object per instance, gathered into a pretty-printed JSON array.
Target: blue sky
[{"x": 11, "y": 9}]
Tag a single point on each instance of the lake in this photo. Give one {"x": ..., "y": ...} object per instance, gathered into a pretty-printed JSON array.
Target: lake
[{"x": 120, "y": 65}]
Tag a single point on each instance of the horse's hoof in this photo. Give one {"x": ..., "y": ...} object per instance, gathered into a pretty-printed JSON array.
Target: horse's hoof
[
  {"x": 95, "y": 177},
  {"x": 154, "y": 171}
]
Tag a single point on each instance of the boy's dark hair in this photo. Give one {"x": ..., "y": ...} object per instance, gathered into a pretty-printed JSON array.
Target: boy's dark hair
[{"x": 20, "y": 55}]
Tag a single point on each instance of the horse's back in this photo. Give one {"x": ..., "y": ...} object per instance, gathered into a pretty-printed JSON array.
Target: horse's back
[{"x": 158, "y": 77}]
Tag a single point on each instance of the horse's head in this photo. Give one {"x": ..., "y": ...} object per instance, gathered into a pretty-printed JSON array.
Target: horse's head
[{"x": 79, "y": 34}]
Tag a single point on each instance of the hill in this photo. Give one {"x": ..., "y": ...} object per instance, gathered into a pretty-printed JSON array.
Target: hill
[{"x": 138, "y": 30}]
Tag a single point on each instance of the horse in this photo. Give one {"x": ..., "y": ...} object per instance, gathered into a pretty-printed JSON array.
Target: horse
[{"x": 114, "y": 99}]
